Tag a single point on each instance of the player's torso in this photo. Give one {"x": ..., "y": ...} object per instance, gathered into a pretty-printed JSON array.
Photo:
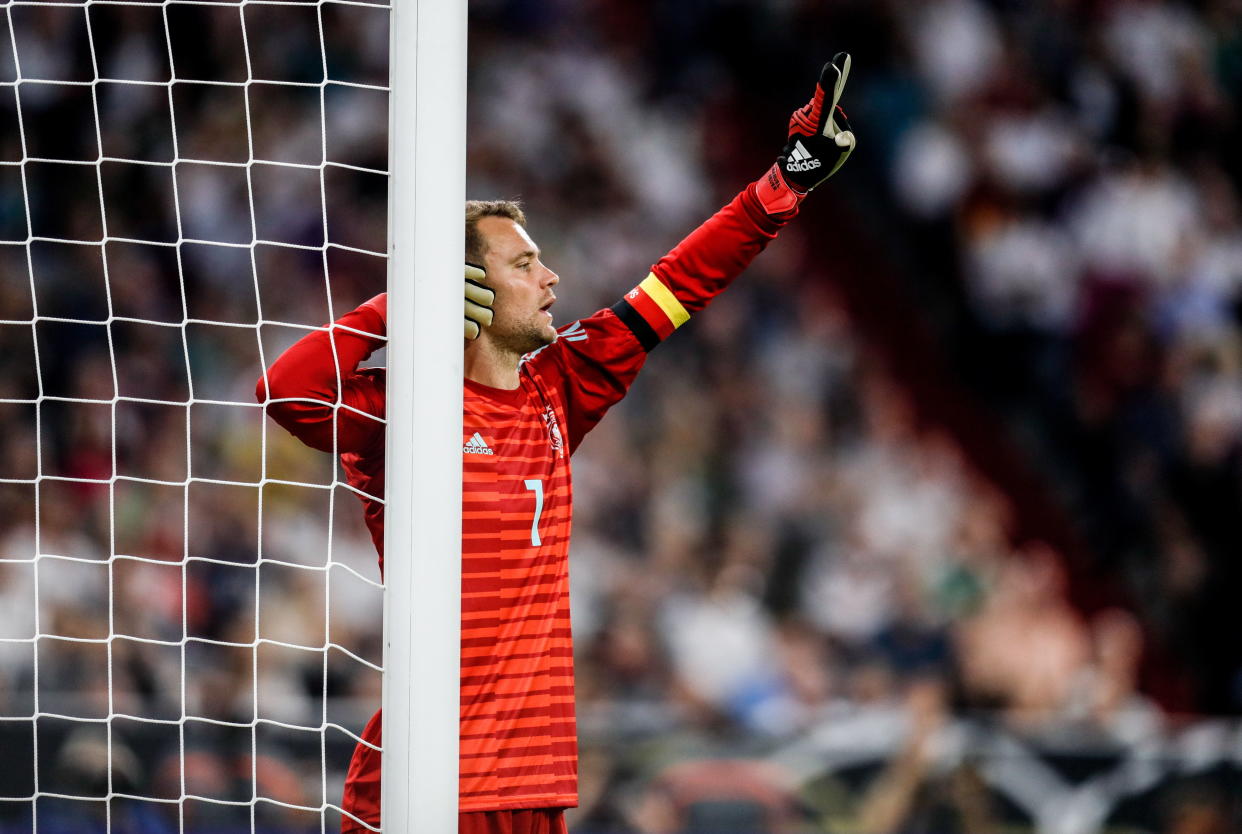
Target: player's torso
[{"x": 518, "y": 735}]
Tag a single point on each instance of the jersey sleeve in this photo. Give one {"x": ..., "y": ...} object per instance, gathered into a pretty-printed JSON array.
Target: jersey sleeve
[
  {"x": 598, "y": 357},
  {"x": 699, "y": 268},
  {"x": 317, "y": 392},
  {"x": 593, "y": 362}
]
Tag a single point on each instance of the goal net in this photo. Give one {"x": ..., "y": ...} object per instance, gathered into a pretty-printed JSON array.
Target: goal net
[{"x": 190, "y": 608}]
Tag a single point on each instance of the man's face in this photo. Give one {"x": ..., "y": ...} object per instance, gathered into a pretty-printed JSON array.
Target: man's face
[{"x": 522, "y": 320}]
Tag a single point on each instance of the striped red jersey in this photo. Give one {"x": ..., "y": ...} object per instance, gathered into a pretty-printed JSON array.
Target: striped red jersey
[{"x": 518, "y": 737}]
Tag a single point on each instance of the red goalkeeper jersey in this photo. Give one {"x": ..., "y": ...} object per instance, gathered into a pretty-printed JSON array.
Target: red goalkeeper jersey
[{"x": 518, "y": 736}]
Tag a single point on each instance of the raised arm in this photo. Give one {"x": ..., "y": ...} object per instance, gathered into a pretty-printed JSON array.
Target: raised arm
[
  {"x": 315, "y": 390},
  {"x": 598, "y": 357},
  {"x": 709, "y": 258}
]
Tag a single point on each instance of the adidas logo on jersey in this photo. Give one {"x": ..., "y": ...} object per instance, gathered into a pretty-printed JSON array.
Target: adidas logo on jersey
[
  {"x": 477, "y": 446},
  {"x": 573, "y": 333},
  {"x": 801, "y": 159}
]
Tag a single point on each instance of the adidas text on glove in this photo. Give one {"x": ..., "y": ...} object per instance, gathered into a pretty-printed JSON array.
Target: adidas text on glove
[{"x": 818, "y": 143}]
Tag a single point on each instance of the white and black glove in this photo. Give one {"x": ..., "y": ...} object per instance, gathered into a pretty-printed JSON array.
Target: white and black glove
[{"x": 818, "y": 143}]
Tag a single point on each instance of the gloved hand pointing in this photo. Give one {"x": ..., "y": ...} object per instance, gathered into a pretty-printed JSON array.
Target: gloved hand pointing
[{"x": 819, "y": 142}]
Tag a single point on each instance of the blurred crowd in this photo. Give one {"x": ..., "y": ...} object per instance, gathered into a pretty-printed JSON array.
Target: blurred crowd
[
  {"x": 1068, "y": 175},
  {"x": 774, "y": 537},
  {"x": 202, "y": 580}
]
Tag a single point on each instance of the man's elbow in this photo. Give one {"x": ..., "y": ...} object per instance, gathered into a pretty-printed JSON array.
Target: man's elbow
[
  {"x": 275, "y": 396},
  {"x": 268, "y": 389},
  {"x": 304, "y": 417},
  {"x": 276, "y": 386}
]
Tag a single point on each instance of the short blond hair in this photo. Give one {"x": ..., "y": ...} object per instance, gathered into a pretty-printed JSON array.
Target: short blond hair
[{"x": 476, "y": 210}]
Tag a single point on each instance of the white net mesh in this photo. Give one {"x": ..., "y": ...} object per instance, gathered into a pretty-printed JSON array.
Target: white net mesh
[{"x": 189, "y": 604}]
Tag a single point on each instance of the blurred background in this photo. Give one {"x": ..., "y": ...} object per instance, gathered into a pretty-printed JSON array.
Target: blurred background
[{"x": 930, "y": 524}]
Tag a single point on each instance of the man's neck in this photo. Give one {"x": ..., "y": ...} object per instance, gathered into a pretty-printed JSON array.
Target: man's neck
[{"x": 491, "y": 365}]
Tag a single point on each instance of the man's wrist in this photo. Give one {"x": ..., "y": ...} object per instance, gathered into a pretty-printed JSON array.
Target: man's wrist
[{"x": 777, "y": 196}]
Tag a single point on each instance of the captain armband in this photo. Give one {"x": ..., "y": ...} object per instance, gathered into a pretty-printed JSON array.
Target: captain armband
[{"x": 651, "y": 311}]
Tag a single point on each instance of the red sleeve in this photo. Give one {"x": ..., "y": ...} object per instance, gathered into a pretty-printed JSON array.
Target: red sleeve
[
  {"x": 593, "y": 362},
  {"x": 596, "y": 359},
  {"x": 301, "y": 387},
  {"x": 699, "y": 268}
]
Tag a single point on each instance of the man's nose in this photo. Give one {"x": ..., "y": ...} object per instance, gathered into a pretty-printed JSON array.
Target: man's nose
[{"x": 551, "y": 279}]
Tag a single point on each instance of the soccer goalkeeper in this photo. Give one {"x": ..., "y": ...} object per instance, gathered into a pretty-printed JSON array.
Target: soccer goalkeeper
[{"x": 531, "y": 395}]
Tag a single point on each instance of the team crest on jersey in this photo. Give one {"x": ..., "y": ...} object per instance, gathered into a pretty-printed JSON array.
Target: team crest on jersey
[{"x": 554, "y": 431}]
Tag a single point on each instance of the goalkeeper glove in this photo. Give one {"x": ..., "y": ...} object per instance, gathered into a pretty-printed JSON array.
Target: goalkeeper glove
[
  {"x": 479, "y": 301},
  {"x": 817, "y": 145}
]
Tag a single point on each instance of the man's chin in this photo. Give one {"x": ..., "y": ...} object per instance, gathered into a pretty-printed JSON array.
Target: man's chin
[
  {"x": 535, "y": 340},
  {"x": 524, "y": 342}
]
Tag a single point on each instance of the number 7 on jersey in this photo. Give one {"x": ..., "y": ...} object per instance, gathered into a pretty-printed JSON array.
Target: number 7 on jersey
[{"x": 536, "y": 486}]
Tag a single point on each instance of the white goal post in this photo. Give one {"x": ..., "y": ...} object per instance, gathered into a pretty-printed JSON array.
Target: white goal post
[{"x": 422, "y": 613}]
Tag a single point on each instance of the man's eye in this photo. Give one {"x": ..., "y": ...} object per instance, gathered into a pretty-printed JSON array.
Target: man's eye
[{"x": 525, "y": 265}]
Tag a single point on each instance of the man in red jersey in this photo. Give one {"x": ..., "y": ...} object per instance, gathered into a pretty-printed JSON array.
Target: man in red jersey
[{"x": 531, "y": 395}]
